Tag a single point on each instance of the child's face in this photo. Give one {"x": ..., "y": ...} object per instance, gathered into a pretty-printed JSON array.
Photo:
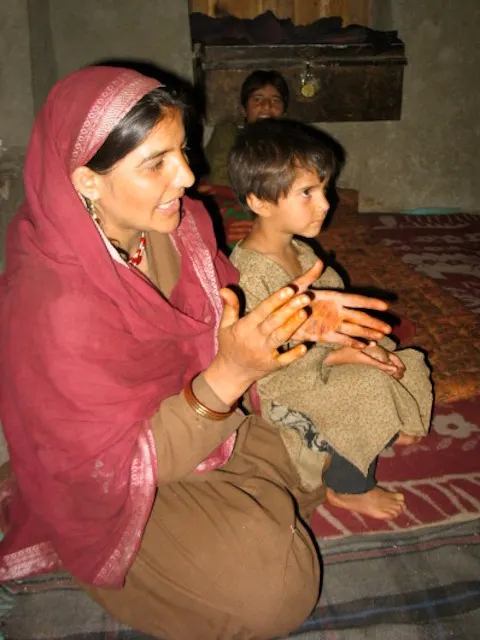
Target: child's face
[
  {"x": 302, "y": 211},
  {"x": 265, "y": 102}
]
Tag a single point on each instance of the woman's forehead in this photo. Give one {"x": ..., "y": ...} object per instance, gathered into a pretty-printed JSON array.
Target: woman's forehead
[{"x": 166, "y": 135}]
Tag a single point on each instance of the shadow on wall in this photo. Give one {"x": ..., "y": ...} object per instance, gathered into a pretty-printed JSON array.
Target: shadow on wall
[
  {"x": 11, "y": 190},
  {"x": 11, "y": 196}
]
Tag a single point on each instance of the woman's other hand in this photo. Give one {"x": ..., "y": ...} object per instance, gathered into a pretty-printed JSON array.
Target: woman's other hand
[
  {"x": 205, "y": 189},
  {"x": 335, "y": 317}
]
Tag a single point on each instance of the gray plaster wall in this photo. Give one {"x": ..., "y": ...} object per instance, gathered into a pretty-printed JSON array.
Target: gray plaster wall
[
  {"x": 430, "y": 158},
  {"x": 43, "y": 57},
  {"x": 16, "y": 98},
  {"x": 43, "y": 40},
  {"x": 152, "y": 30}
]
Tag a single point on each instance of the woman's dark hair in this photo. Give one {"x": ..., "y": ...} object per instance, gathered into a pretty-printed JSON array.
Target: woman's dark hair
[
  {"x": 267, "y": 154},
  {"x": 261, "y": 78},
  {"x": 134, "y": 127}
]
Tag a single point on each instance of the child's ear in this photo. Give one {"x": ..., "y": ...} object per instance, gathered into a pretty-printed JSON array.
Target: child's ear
[{"x": 258, "y": 206}]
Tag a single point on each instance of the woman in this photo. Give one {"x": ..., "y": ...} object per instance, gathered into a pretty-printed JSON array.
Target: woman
[{"x": 122, "y": 364}]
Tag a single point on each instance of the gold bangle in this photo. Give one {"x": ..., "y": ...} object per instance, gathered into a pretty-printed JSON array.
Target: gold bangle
[{"x": 201, "y": 409}]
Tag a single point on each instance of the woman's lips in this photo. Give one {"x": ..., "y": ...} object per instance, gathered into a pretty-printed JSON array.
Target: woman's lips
[{"x": 172, "y": 206}]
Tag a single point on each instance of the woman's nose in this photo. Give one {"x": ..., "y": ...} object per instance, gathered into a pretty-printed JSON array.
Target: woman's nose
[{"x": 184, "y": 177}]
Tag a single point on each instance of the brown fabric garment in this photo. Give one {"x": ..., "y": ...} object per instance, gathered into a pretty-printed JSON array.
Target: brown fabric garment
[
  {"x": 225, "y": 555},
  {"x": 177, "y": 428},
  {"x": 162, "y": 262}
]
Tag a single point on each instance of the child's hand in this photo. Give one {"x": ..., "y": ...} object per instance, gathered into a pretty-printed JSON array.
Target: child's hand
[
  {"x": 377, "y": 352},
  {"x": 381, "y": 360},
  {"x": 374, "y": 350}
]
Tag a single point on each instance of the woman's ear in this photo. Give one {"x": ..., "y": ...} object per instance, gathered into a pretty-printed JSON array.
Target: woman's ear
[
  {"x": 258, "y": 206},
  {"x": 85, "y": 182}
]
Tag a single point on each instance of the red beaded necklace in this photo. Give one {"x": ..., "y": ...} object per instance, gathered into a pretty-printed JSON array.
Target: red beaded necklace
[{"x": 138, "y": 255}]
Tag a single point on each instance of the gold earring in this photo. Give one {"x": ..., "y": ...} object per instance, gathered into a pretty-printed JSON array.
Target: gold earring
[{"x": 90, "y": 207}]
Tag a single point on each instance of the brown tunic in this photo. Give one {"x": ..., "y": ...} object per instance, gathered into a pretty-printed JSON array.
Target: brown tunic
[{"x": 225, "y": 554}]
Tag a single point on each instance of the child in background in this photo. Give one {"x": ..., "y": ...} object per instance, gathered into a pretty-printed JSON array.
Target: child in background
[
  {"x": 338, "y": 407},
  {"x": 264, "y": 94}
]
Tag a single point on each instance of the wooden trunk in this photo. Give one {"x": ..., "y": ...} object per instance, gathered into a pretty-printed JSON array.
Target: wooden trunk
[{"x": 351, "y": 82}]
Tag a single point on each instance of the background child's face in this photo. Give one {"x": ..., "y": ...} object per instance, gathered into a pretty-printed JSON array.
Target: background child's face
[
  {"x": 303, "y": 210},
  {"x": 265, "y": 102}
]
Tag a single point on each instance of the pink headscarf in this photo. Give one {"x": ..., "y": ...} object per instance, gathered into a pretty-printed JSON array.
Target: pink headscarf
[{"x": 89, "y": 350}]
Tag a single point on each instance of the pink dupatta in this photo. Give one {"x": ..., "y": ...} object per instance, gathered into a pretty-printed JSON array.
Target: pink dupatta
[{"x": 89, "y": 350}]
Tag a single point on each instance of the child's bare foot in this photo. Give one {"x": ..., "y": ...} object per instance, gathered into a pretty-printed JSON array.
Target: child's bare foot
[
  {"x": 404, "y": 439},
  {"x": 376, "y": 503}
]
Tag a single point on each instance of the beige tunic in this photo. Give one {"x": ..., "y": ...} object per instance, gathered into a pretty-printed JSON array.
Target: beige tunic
[{"x": 357, "y": 409}]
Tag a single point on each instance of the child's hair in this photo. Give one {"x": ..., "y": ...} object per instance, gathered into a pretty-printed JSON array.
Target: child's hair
[
  {"x": 267, "y": 154},
  {"x": 261, "y": 78}
]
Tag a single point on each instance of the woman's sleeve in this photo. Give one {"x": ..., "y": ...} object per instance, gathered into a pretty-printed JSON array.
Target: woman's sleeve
[{"x": 183, "y": 439}]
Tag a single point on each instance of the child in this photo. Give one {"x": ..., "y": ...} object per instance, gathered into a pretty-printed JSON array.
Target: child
[
  {"x": 338, "y": 407},
  {"x": 263, "y": 94}
]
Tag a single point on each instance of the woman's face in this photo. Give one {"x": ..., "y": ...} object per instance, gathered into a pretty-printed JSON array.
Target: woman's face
[
  {"x": 265, "y": 102},
  {"x": 143, "y": 191}
]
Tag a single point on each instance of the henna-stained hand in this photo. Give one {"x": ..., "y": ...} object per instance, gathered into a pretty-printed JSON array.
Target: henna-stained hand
[
  {"x": 335, "y": 315},
  {"x": 248, "y": 346}
]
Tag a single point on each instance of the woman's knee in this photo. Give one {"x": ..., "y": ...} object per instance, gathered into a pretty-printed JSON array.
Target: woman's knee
[{"x": 282, "y": 594}]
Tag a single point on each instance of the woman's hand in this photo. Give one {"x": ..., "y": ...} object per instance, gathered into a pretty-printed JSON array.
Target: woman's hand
[
  {"x": 335, "y": 318},
  {"x": 205, "y": 189},
  {"x": 248, "y": 346}
]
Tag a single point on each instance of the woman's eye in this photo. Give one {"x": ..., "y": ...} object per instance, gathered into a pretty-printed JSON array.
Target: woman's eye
[
  {"x": 156, "y": 166},
  {"x": 306, "y": 192}
]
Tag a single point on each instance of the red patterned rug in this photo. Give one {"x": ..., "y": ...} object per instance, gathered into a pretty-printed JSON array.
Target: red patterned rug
[
  {"x": 440, "y": 477},
  {"x": 433, "y": 265}
]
